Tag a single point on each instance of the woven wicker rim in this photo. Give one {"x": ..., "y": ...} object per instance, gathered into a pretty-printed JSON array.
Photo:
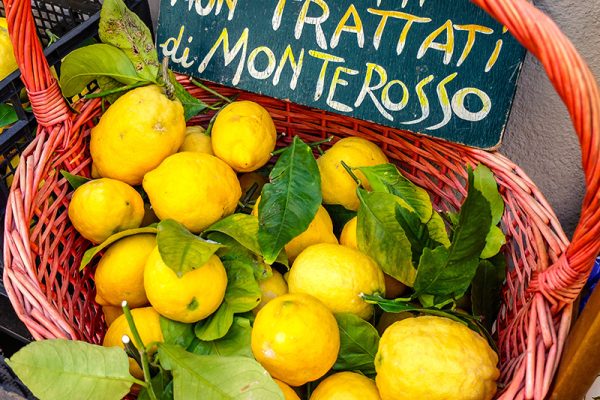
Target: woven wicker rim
[{"x": 42, "y": 250}]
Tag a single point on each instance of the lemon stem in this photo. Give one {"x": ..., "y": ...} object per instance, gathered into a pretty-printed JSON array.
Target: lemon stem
[
  {"x": 209, "y": 90},
  {"x": 351, "y": 173},
  {"x": 169, "y": 87},
  {"x": 141, "y": 349}
]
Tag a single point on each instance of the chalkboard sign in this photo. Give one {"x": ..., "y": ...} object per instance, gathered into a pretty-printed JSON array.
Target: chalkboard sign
[{"x": 443, "y": 68}]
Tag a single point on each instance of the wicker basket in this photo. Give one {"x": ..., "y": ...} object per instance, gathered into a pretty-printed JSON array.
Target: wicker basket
[{"x": 42, "y": 250}]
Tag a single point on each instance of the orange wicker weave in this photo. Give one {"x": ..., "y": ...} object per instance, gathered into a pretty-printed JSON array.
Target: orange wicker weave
[{"x": 43, "y": 251}]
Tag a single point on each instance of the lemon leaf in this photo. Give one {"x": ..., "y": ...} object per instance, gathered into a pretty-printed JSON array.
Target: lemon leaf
[
  {"x": 381, "y": 236},
  {"x": 191, "y": 105},
  {"x": 243, "y": 228},
  {"x": 486, "y": 290},
  {"x": 122, "y": 28},
  {"x": 8, "y": 115},
  {"x": 235, "y": 343},
  {"x": 387, "y": 178},
  {"x": 216, "y": 378},
  {"x": 162, "y": 384},
  {"x": 181, "y": 250},
  {"x": 290, "y": 201},
  {"x": 74, "y": 180},
  {"x": 92, "y": 252},
  {"x": 339, "y": 216},
  {"x": 494, "y": 241},
  {"x": 85, "y": 64},
  {"x": 484, "y": 181},
  {"x": 359, "y": 341},
  {"x": 216, "y": 325},
  {"x": 175, "y": 332},
  {"x": 67, "y": 369}
]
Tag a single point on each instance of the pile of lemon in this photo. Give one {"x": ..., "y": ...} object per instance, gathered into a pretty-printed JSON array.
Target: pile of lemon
[
  {"x": 194, "y": 179},
  {"x": 8, "y": 64}
]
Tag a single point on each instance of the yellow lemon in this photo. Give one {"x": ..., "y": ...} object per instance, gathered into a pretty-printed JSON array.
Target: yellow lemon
[
  {"x": 103, "y": 207},
  {"x": 288, "y": 392},
  {"x": 195, "y": 189},
  {"x": 270, "y": 288},
  {"x": 295, "y": 338},
  {"x": 348, "y": 236},
  {"x": 111, "y": 313},
  {"x": 337, "y": 275},
  {"x": 337, "y": 185},
  {"x": 393, "y": 287},
  {"x": 244, "y": 136},
  {"x": 346, "y": 386},
  {"x": 120, "y": 272},
  {"x": 147, "y": 322},
  {"x": 320, "y": 230},
  {"x": 189, "y": 298},
  {"x": 141, "y": 128},
  {"x": 8, "y": 63},
  {"x": 196, "y": 140},
  {"x": 434, "y": 358}
]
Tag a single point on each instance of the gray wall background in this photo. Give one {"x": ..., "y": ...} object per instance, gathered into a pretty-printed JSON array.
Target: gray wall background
[{"x": 539, "y": 136}]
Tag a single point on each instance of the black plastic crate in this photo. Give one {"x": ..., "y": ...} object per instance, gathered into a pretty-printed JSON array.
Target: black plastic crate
[{"x": 75, "y": 22}]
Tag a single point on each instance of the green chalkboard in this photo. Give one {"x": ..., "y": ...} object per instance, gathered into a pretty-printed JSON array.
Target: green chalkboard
[{"x": 443, "y": 68}]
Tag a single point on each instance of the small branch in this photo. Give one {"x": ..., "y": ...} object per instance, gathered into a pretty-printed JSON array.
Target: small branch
[
  {"x": 349, "y": 171},
  {"x": 116, "y": 90},
  {"x": 211, "y": 91},
  {"x": 169, "y": 87},
  {"x": 141, "y": 348}
]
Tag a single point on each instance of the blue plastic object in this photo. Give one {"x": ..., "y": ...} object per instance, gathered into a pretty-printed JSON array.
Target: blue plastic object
[{"x": 591, "y": 284}]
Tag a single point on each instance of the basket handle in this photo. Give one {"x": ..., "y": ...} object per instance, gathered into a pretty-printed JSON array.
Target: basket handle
[
  {"x": 578, "y": 89},
  {"x": 47, "y": 102}
]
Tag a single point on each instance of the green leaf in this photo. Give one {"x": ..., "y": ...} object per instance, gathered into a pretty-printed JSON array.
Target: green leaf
[
  {"x": 92, "y": 252},
  {"x": 290, "y": 202},
  {"x": 216, "y": 325},
  {"x": 242, "y": 294},
  {"x": 486, "y": 290},
  {"x": 8, "y": 115},
  {"x": 74, "y": 180},
  {"x": 122, "y": 28},
  {"x": 484, "y": 181},
  {"x": 235, "y": 343},
  {"x": 217, "y": 378},
  {"x": 162, "y": 383},
  {"x": 448, "y": 272},
  {"x": 181, "y": 250},
  {"x": 191, "y": 105},
  {"x": 107, "y": 83},
  {"x": 437, "y": 229},
  {"x": 387, "y": 178},
  {"x": 379, "y": 235},
  {"x": 494, "y": 241},
  {"x": 416, "y": 231},
  {"x": 339, "y": 216},
  {"x": 359, "y": 341},
  {"x": 65, "y": 369},
  {"x": 175, "y": 332},
  {"x": 233, "y": 249},
  {"x": 243, "y": 228},
  {"x": 85, "y": 64}
]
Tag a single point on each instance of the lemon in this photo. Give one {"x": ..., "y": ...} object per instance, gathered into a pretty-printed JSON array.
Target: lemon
[
  {"x": 111, "y": 313},
  {"x": 288, "y": 392},
  {"x": 295, "y": 338},
  {"x": 195, "y": 189},
  {"x": 147, "y": 322},
  {"x": 196, "y": 140},
  {"x": 103, "y": 207},
  {"x": 189, "y": 298},
  {"x": 244, "y": 136},
  {"x": 337, "y": 275},
  {"x": 120, "y": 272},
  {"x": 346, "y": 386},
  {"x": 337, "y": 185},
  {"x": 348, "y": 236},
  {"x": 387, "y": 319},
  {"x": 8, "y": 63},
  {"x": 136, "y": 133},
  {"x": 320, "y": 230},
  {"x": 434, "y": 358},
  {"x": 270, "y": 288},
  {"x": 393, "y": 287}
]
